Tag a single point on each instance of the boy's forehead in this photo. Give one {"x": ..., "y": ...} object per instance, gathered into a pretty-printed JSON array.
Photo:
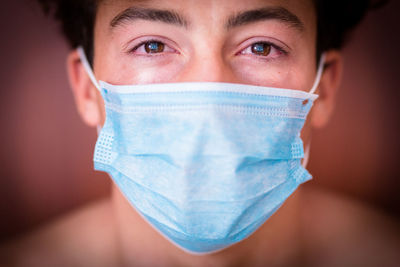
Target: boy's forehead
[
  {"x": 215, "y": 10},
  {"x": 227, "y": 4}
]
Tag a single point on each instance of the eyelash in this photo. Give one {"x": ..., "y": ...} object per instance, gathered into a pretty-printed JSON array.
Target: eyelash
[{"x": 272, "y": 45}]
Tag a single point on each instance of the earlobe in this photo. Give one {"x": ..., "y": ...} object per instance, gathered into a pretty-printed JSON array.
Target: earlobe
[
  {"x": 86, "y": 95},
  {"x": 327, "y": 89}
]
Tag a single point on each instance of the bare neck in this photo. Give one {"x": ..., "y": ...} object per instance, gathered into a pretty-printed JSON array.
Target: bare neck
[{"x": 277, "y": 243}]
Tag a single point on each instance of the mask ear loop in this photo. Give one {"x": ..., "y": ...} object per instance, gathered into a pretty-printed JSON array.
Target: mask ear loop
[
  {"x": 87, "y": 67},
  {"x": 90, "y": 73},
  {"x": 312, "y": 91},
  {"x": 319, "y": 73}
]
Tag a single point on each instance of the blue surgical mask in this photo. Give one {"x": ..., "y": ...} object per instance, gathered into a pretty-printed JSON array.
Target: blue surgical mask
[{"x": 204, "y": 163}]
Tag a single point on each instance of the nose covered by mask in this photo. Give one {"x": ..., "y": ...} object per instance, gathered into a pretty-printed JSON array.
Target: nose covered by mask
[{"x": 204, "y": 163}]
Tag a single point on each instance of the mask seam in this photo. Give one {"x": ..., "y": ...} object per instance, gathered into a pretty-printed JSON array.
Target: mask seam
[
  {"x": 241, "y": 109},
  {"x": 296, "y": 93}
]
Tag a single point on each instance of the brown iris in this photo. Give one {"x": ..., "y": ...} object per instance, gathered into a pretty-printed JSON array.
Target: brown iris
[
  {"x": 261, "y": 49},
  {"x": 154, "y": 47}
]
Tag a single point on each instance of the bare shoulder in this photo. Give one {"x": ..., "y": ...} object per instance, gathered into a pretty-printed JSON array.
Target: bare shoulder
[
  {"x": 82, "y": 238},
  {"x": 341, "y": 231}
]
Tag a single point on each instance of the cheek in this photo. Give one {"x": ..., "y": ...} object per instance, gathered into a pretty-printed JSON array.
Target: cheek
[
  {"x": 143, "y": 72},
  {"x": 272, "y": 76},
  {"x": 288, "y": 76},
  {"x": 301, "y": 76},
  {"x": 164, "y": 74}
]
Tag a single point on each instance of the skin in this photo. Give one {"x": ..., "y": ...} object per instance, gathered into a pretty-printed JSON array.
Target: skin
[{"x": 111, "y": 231}]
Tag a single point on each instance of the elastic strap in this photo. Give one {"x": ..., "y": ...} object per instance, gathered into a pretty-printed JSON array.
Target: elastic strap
[
  {"x": 98, "y": 129},
  {"x": 87, "y": 67},
  {"x": 89, "y": 71},
  {"x": 319, "y": 73},
  {"x": 306, "y": 156}
]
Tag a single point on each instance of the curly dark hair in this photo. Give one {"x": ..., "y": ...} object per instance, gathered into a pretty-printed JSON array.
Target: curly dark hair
[{"x": 336, "y": 19}]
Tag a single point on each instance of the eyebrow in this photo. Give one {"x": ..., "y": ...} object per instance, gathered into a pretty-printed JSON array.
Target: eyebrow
[
  {"x": 150, "y": 14},
  {"x": 268, "y": 13},
  {"x": 240, "y": 19}
]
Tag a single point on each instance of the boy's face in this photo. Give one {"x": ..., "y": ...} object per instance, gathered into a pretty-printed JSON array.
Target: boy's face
[{"x": 260, "y": 42}]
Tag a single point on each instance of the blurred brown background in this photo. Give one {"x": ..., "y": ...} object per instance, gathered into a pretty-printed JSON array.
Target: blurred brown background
[{"x": 46, "y": 151}]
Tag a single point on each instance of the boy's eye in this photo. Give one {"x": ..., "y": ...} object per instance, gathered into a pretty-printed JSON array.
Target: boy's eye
[
  {"x": 261, "y": 49},
  {"x": 153, "y": 47}
]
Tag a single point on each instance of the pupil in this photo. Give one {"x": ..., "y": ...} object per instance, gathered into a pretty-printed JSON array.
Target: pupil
[
  {"x": 154, "y": 47},
  {"x": 261, "y": 49}
]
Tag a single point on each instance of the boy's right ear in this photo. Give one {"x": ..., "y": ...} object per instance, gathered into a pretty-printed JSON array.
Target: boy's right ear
[{"x": 87, "y": 98}]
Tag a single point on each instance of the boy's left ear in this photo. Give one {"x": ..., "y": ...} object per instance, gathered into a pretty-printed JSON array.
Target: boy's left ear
[
  {"x": 327, "y": 89},
  {"x": 87, "y": 98}
]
